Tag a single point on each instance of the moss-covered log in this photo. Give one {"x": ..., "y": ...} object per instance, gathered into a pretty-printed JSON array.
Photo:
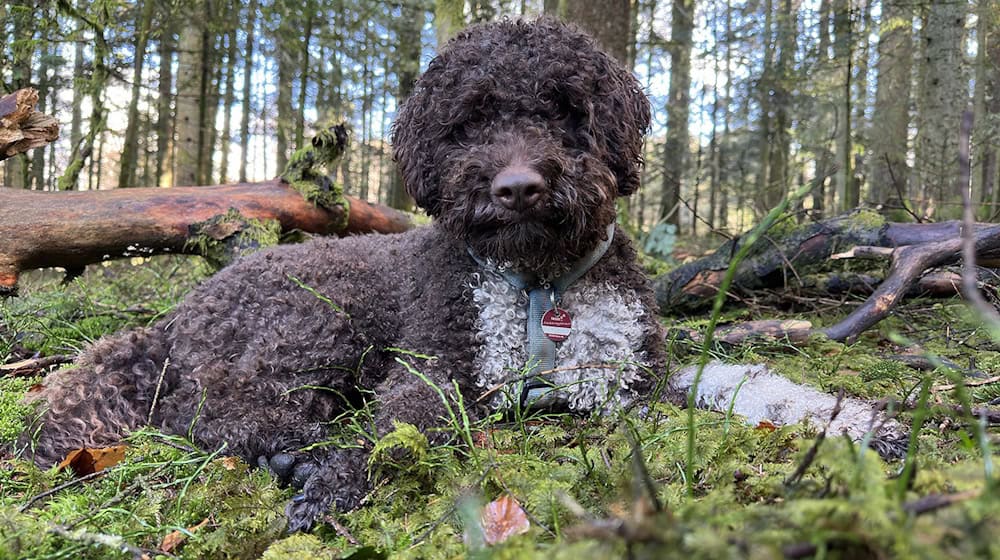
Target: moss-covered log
[
  {"x": 785, "y": 254},
  {"x": 74, "y": 229}
]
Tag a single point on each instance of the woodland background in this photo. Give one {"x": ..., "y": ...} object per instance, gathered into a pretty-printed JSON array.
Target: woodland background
[{"x": 751, "y": 99}]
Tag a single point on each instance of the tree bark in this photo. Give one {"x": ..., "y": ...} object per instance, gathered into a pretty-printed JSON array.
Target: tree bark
[
  {"x": 74, "y": 229},
  {"x": 21, "y": 128},
  {"x": 889, "y": 170},
  {"x": 675, "y": 148},
  {"x": 247, "y": 75},
  {"x": 778, "y": 262},
  {"x": 130, "y": 149},
  {"x": 945, "y": 96},
  {"x": 190, "y": 105},
  {"x": 608, "y": 21}
]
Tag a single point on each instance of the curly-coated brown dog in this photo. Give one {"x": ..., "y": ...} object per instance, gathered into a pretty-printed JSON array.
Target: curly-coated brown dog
[{"x": 517, "y": 140}]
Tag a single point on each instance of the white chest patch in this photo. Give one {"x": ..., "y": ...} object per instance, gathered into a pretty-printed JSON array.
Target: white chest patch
[{"x": 595, "y": 365}]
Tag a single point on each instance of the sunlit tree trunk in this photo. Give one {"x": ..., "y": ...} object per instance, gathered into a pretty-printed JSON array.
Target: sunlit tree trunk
[
  {"x": 190, "y": 104},
  {"x": 675, "y": 149},
  {"x": 944, "y": 96},
  {"x": 247, "y": 91},
  {"x": 890, "y": 121},
  {"x": 987, "y": 110},
  {"x": 407, "y": 67},
  {"x": 130, "y": 149},
  {"x": 847, "y": 194}
]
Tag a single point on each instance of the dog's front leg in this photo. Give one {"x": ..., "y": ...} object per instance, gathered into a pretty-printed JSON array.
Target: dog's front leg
[{"x": 338, "y": 477}]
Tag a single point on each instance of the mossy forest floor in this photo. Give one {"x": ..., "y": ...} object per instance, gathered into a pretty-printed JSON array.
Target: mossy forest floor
[{"x": 602, "y": 487}]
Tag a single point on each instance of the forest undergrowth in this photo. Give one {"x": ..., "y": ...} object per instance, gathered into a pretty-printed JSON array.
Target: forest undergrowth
[{"x": 590, "y": 487}]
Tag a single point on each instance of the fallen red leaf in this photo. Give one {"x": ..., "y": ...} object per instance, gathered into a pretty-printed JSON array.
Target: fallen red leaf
[
  {"x": 503, "y": 518},
  {"x": 86, "y": 460},
  {"x": 176, "y": 538},
  {"x": 766, "y": 425}
]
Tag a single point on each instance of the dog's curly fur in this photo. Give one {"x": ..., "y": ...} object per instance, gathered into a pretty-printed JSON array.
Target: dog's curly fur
[{"x": 256, "y": 360}]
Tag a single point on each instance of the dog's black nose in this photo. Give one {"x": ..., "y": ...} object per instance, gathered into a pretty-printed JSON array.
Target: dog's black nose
[{"x": 518, "y": 188}]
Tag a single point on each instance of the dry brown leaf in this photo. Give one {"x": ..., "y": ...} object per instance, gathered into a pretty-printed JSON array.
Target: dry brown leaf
[
  {"x": 503, "y": 518},
  {"x": 87, "y": 460},
  {"x": 176, "y": 538},
  {"x": 766, "y": 425},
  {"x": 230, "y": 463}
]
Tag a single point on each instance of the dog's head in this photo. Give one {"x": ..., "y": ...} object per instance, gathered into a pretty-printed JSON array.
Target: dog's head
[{"x": 519, "y": 137}]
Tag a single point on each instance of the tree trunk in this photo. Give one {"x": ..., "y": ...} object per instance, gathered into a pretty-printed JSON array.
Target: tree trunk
[
  {"x": 164, "y": 130},
  {"x": 286, "y": 44},
  {"x": 227, "y": 104},
  {"x": 407, "y": 68},
  {"x": 130, "y": 149},
  {"x": 675, "y": 149},
  {"x": 890, "y": 121},
  {"x": 247, "y": 77},
  {"x": 16, "y": 168},
  {"x": 846, "y": 194},
  {"x": 190, "y": 104},
  {"x": 987, "y": 132},
  {"x": 608, "y": 21},
  {"x": 945, "y": 96}
]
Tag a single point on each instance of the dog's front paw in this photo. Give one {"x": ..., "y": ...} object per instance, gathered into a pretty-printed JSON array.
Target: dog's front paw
[
  {"x": 336, "y": 481},
  {"x": 288, "y": 469},
  {"x": 302, "y": 512}
]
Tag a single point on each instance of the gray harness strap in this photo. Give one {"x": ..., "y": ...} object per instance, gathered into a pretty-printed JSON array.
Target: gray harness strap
[{"x": 542, "y": 297}]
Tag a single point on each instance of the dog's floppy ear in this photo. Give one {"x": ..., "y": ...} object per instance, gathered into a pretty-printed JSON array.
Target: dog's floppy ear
[
  {"x": 413, "y": 141},
  {"x": 622, "y": 113},
  {"x": 634, "y": 123}
]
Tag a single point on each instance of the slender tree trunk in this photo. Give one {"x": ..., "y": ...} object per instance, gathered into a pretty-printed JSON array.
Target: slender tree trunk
[
  {"x": 408, "y": 67},
  {"x": 300, "y": 113},
  {"x": 130, "y": 149},
  {"x": 767, "y": 197},
  {"x": 96, "y": 86},
  {"x": 211, "y": 82},
  {"x": 16, "y": 168},
  {"x": 890, "y": 121},
  {"x": 190, "y": 105},
  {"x": 285, "y": 41},
  {"x": 724, "y": 152},
  {"x": 247, "y": 91},
  {"x": 227, "y": 105},
  {"x": 845, "y": 197},
  {"x": 945, "y": 96},
  {"x": 38, "y": 154},
  {"x": 675, "y": 149},
  {"x": 164, "y": 116},
  {"x": 987, "y": 131},
  {"x": 781, "y": 101}
]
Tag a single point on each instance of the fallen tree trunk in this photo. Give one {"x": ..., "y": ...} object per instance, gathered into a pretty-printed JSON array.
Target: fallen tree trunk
[
  {"x": 781, "y": 259},
  {"x": 74, "y": 229},
  {"x": 21, "y": 127}
]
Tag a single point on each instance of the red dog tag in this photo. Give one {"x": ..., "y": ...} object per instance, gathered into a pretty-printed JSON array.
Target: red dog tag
[{"x": 556, "y": 324}]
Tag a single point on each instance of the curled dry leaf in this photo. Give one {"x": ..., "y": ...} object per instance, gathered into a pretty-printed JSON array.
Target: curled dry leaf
[
  {"x": 87, "y": 460},
  {"x": 503, "y": 518},
  {"x": 177, "y": 538}
]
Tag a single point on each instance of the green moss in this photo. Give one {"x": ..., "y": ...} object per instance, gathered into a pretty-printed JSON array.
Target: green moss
[
  {"x": 308, "y": 172},
  {"x": 13, "y": 409},
  {"x": 223, "y": 238}
]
